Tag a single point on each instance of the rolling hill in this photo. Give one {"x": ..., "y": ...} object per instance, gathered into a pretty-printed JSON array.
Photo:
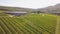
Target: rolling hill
[
  {"x": 51, "y": 9},
  {"x": 8, "y": 8}
]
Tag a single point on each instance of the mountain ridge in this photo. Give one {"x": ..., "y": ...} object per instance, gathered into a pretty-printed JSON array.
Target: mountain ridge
[{"x": 49, "y": 9}]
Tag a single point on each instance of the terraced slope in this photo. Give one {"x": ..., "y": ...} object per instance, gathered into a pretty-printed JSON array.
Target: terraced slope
[{"x": 29, "y": 24}]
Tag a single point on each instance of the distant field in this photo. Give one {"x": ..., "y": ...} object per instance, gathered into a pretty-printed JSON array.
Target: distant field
[{"x": 28, "y": 24}]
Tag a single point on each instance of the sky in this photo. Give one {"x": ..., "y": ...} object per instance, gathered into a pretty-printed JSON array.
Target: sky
[{"x": 29, "y": 3}]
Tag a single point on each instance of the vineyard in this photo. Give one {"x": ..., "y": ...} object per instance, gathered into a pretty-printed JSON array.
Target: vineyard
[{"x": 28, "y": 24}]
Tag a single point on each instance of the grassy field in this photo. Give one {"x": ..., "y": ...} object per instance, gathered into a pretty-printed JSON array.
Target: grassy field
[{"x": 28, "y": 24}]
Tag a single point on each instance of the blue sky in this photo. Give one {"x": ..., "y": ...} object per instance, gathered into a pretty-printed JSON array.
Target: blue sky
[{"x": 29, "y": 3}]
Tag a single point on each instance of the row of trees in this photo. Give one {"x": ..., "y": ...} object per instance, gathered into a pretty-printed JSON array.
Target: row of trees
[{"x": 37, "y": 12}]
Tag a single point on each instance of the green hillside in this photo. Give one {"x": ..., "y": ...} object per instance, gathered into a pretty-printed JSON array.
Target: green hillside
[{"x": 28, "y": 24}]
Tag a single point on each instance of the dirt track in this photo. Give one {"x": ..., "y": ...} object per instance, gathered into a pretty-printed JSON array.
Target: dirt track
[{"x": 58, "y": 26}]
